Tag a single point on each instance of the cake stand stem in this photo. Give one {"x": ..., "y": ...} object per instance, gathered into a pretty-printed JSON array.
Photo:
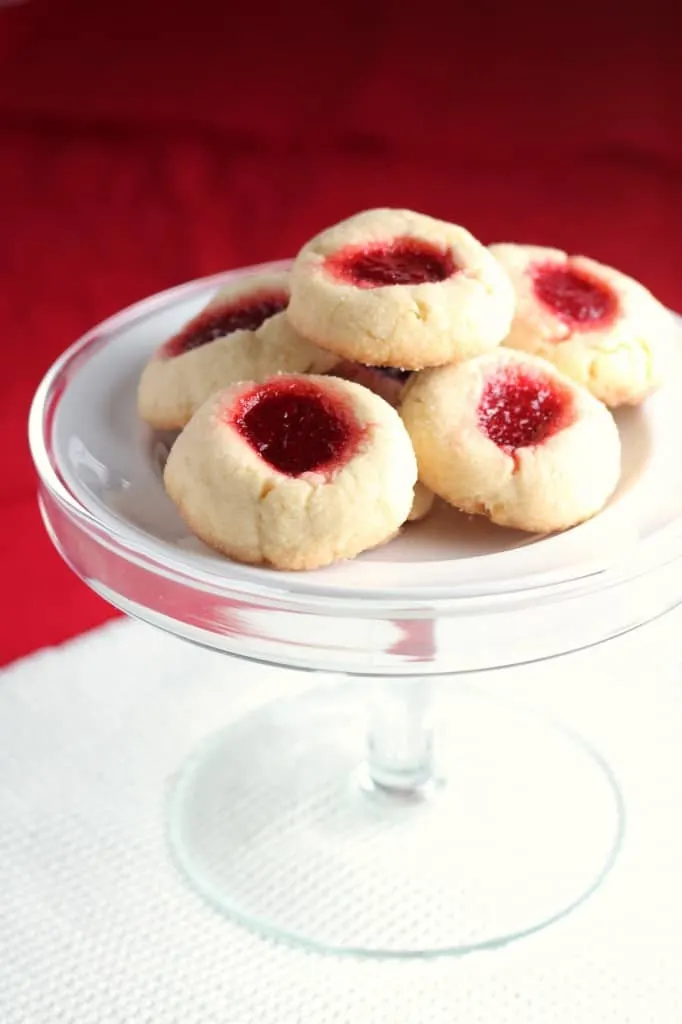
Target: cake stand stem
[{"x": 400, "y": 747}]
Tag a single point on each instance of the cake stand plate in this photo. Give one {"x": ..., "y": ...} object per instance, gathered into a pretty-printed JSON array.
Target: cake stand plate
[{"x": 398, "y": 813}]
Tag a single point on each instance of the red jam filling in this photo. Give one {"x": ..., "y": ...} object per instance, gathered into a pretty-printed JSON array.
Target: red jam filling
[
  {"x": 580, "y": 300},
  {"x": 297, "y": 426},
  {"x": 244, "y": 314},
  {"x": 400, "y": 261},
  {"x": 520, "y": 407}
]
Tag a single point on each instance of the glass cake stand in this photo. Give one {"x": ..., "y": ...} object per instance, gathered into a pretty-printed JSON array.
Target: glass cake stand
[{"x": 398, "y": 808}]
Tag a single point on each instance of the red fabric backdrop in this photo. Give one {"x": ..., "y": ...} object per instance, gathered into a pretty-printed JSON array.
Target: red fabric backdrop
[{"x": 142, "y": 144}]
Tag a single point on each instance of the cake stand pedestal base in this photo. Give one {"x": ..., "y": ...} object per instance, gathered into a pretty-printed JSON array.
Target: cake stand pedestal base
[{"x": 343, "y": 820}]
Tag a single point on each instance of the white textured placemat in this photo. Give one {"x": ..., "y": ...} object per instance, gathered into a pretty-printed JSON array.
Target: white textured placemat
[{"x": 97, "y": 928}]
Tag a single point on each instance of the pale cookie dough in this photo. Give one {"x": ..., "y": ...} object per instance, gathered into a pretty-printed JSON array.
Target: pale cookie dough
[
  {"x": 422, "y": 503},
  {"x": 297, "y": 472},
  {"x": 242, "y": 334},
  {"x": 507, "y": 436},
  {"x": 597, "y": 325},
  {"x": 397, "y": 288}
]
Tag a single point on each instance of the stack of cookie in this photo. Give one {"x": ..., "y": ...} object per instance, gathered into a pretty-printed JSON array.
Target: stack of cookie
[{"x": 400, "y": 358}]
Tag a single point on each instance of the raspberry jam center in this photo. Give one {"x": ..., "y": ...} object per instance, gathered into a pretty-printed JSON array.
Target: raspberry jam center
[
  {"x": 580, "y": 300},
  {"x": 400, "y": 261},
  {"x": 520, "y": 407},
  {"x": 244, "y": 314},
  {"x": 297, "y": 426}
]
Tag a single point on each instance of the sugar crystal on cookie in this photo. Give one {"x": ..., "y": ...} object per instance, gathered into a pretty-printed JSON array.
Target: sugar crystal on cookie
[{"x": 520, "y": 407}]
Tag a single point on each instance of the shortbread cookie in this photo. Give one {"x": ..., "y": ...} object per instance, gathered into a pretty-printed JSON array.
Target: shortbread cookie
[
  {"x": 296, "y": 472},
  {"x": 242, "y": 334},
  {"x": 507, "y": 436},
  {"x": 595, "y": 324},
  {"x": 396, "y": 288}
]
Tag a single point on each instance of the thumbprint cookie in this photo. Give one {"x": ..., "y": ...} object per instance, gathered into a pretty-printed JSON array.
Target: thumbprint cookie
[
  {"x": 507, "y": 436},
  {"x": 399, "y": 289},
  {"x": 597, "y": 325},
  {"x": 242, "y": 334},
  {"x": 295, "y": 472}
]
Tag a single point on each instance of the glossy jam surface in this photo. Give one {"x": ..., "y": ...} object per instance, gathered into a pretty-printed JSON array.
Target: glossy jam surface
[
  {"x": 399, "y": 261},
  {"x": 520, "y": 407},
  {"x": 297, "y": 426},
  {"x": 580, "y": 300},
  {"x": 244, "y": 314}
]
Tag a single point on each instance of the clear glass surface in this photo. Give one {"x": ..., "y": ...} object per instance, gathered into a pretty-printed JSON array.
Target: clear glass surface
[
  {"x": 287, "y": 821},
  {"x": 437, "y": 831}
]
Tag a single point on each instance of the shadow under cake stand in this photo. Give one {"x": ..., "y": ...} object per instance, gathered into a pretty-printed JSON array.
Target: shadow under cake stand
[{"x": 364, "y": 816}]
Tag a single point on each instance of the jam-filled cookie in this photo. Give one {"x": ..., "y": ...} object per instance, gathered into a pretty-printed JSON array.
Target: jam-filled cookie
[
  {"x": 296, "y": 472},
  {"x": 507, "y": 436},
  {"x": 242, "y": 334},
  {"x": 397, "y": 288},
  {"x": 596, "y": 324}
]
